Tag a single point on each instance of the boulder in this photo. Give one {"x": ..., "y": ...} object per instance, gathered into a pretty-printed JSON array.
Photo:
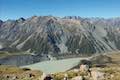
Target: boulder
[
  {"x": 97, "y": 75},
  {"x": 84, "y": 68}
]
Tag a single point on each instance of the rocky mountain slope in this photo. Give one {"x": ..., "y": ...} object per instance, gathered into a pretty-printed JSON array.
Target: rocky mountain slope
[{"x": 48, "y": 36}]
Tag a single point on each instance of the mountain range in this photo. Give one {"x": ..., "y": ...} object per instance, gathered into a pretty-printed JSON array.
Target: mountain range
[{"x": 47, "y": 37}]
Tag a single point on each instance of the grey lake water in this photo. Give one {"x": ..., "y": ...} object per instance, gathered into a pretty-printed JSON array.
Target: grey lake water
[{"x": 54, "y": 66}]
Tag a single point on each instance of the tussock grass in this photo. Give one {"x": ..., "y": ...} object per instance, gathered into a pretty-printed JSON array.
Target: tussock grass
[{"x": 8, "y": 72}]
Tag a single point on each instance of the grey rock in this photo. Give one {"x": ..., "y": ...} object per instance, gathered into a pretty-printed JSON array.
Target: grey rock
[{"x": 58, "y": 37}]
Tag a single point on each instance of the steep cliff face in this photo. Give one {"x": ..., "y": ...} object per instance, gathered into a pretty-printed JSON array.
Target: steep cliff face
[
  {"x": 61, "y": 35},
  {"x": 45, "y": 35}
]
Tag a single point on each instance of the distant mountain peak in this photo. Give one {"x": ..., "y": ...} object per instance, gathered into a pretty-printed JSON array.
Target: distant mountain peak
[
  {"x": 21, "y": 19},
  {"x": 1, "y": 22},
  {"x": 59, "y": 37},
  {"x": 73, "y": 33},
  {"x": 72, "y": 17}
]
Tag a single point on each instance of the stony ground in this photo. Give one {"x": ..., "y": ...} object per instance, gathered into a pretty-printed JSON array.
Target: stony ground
[
  {"x": 15, "y": 73},
  {"x": 110, "y": 69}
]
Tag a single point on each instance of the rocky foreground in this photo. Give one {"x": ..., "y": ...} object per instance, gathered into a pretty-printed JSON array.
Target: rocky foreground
[
  {"x": 102, "y": 67},
  {"x": 15, "y": 73},
  {"x": 106, "y": 69}
]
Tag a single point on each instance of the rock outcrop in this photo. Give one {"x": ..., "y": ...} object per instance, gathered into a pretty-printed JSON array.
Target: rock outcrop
[{"x": 48, "y": 35}]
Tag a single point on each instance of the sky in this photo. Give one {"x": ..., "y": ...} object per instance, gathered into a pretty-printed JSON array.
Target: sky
[{"x": 14, "y": 9}]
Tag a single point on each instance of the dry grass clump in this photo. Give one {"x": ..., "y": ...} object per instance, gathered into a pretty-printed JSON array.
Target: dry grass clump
[
  {"x": 112, "y": 72},
  {"x": 61, "y": 75},
  {"x": 71, "y": 74},
  {"x": 16, "y": 73},
  {"x": 58, "y": 76},
  {"x": 108, "y": 64},
  {"x": 10, "y": 69}
]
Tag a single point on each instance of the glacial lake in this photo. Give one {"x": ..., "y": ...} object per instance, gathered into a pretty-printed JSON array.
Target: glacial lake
[{"x": 55, "y": 66}]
